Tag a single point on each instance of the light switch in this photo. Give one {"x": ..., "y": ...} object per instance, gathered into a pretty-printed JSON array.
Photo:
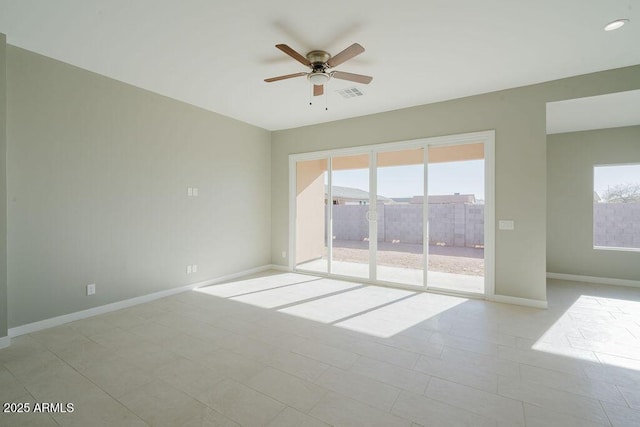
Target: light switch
[
  {"x": 195, "y": 191},
  {"x": 506, "y": 224},
  {"x": 189, "y": 191}
]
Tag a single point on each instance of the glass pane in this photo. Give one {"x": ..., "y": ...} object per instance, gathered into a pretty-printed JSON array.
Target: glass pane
[
  {"x": 311, "y": 238},
  {"x": 456, "y": 217},
  {"x": 400, "y": 179},
  {"x": 616, "y": 206},
  {"x": 350, "y": 203}
]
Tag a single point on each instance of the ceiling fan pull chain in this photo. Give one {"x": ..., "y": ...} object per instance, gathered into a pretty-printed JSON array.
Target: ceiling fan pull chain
[
  {"x": 326, "y": 94},
  {"x": 310, "y": 94}
]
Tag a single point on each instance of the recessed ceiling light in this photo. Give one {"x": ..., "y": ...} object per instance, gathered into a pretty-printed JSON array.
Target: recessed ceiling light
[{"x": 614, "y": 25}]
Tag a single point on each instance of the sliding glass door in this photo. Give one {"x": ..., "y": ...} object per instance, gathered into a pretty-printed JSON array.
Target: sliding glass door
[
  {"x": 400, "y": 187},
  {"x": 412, "y": 214},
  {"x": 456, "y": 196},
  {"x": 350, "y": 214}
]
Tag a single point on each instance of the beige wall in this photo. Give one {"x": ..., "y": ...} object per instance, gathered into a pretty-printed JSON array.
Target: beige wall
[
  {"x": 517, "y": 115},
  {"x": 311, "y": 212},
  {"x": 571, "y": 158},
  {"x": 97, "y": 179},
  {"x": 3, "y": 186}
]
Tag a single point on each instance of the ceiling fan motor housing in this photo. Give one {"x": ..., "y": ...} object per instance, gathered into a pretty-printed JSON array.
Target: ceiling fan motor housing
[{"x": 318, "y": 59}]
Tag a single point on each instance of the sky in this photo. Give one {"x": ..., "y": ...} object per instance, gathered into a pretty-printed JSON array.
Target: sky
[
  {"x": 465, "y": 177},
  {"x": 604, "y": 176}
]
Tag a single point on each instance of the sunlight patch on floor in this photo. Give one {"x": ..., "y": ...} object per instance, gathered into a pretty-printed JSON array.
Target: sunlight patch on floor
[
  {"x": 596, "y": 329},
  {"x": 256, "y": 284},
  {"x": 279, "y": 297},
  {"x": 373, "y": 310},
  {"x": 333, "y": 308},
  {"x": 402, "y": 315}
]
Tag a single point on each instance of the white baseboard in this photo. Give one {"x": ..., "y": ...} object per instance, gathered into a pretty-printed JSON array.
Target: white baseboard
[
  {"x": 78, "y": 315},
  {"x": 518, "y": 301},
  {"x": 279, "y": 267},
  {"x": 592, "y": 279},
  {"x": 5, "y": 342},
  {"x": 496, "y": 298}
]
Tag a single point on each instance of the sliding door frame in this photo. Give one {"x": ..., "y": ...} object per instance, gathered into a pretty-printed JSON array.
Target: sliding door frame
[
  {"x": 373, "y": 213},
  {"x": 485, "y": 137}
]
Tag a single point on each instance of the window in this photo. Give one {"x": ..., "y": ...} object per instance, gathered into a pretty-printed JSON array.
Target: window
[{"x": 616, "y": 207}]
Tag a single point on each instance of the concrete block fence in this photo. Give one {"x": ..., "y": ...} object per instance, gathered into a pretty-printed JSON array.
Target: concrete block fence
[
  {"x": 462, "y": 225},
  {"x": 616, "y": 225},
  {"x": 457, "y": 224}
]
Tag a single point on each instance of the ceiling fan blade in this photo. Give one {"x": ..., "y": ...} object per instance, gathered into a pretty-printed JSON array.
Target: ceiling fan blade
[
  {"x": 292, "y": 53},
  {"x": 288, "y": 76},
  {"x": 358, "y": 78},
  {"x": 348, "y": 53},
  {"x": 318, "y": 90}
]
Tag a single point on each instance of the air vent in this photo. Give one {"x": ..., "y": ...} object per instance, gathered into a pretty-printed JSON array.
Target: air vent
[{"x": 350, "y": 92}]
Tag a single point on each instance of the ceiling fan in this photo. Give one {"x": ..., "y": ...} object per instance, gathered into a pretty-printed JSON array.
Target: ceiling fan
[{"x": 320, "y": 63}]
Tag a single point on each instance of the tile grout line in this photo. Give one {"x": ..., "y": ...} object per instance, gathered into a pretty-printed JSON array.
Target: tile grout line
[
  {"x": 606, "y": 414},
  {"x": 91, "y": 381}
]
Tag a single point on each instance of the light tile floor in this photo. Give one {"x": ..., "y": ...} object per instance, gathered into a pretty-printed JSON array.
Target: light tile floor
[{"x": 285, "y": 349}]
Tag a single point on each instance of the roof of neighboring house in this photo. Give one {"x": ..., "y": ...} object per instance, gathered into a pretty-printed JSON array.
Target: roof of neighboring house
[
  {"x": 350, "y": 193},
  {"x": 447, "y": 198},
  {"x": 402, "y": 199}
]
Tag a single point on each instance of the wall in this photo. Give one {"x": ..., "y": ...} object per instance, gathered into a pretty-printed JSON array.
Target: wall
[
  {"x": 517, "y": 115},
  {"x": 3, "y": 186},
  {"x": 349, "y": 222},
  {"x": 571, "y": 157},
  {"x": 97, "y": 179},
  {"x": 460, "y": 225},
  {"x": 310, "y": 238}
]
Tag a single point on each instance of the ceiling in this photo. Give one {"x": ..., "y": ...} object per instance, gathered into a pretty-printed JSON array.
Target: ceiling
[
  {"x": 216, "y": 53},
  {"x": 594, "y": 112}
]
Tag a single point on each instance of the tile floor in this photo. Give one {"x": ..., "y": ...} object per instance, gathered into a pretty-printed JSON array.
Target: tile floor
[{"x": 284, "y": 349}]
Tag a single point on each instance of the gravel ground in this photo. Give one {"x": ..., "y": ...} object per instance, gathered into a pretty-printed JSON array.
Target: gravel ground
[{"x": 444, "y": 259}]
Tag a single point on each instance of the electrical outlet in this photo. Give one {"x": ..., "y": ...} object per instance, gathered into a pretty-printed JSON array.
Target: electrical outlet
[
  {"x": 194, "y": 268},
  {"x": 91, "y": 289},
  {"x": 189, "y": 269},
  {"x": 284, "y": 254}
]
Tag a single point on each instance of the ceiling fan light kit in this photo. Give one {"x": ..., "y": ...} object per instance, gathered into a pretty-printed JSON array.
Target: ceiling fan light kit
[
  {"x": 319, "y": 78},
  {"x": 320, "y": 62}
]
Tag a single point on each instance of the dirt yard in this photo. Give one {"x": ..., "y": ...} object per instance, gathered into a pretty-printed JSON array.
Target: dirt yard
[{"x": 444, "y": 259}]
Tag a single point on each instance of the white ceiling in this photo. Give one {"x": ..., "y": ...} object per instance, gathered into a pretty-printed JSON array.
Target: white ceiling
[
  {"x": 216, "y": 53},
  {"x": 594, "y": 112}
]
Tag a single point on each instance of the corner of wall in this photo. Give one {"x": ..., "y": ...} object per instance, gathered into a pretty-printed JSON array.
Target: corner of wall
[
  {"x": 131, "y": 220},
  {"x": 3, "y": 190}
]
